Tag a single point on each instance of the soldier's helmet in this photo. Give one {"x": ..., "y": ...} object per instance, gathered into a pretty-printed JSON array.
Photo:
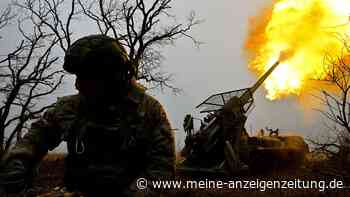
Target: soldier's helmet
[{"x": 99, "y": 56}]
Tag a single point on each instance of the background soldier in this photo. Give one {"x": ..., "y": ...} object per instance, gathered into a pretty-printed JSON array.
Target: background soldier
[
  {"x": 188, "y": 125},
  {"x": 114, "y": 131}
]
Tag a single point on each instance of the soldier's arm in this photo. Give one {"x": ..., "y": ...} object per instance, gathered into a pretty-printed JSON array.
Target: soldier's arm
[
  {"x": 161, "y": 153},
  {"x": 18, "y": 164},
  {"x": 42, "y": 136}
]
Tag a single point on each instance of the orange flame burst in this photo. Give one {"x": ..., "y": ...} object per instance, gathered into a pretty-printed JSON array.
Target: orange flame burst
[{"x": 309, "y": 28}]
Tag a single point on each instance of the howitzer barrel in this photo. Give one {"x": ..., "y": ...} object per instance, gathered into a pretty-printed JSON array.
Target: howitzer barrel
[
  {"x": 249, "y": 93},
  {"x": 263, "y": 77},
  {"x": 243, "y": 97}
]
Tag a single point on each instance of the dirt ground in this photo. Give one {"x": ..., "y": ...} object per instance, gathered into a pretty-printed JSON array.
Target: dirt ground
[{"x": 49, "y": 183}]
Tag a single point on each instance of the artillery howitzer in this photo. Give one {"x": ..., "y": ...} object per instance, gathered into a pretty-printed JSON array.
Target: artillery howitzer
[{"x": 223, "y": 145}]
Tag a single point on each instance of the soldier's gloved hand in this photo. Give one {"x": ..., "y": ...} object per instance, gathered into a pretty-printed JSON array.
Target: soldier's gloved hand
[{"x": 13, "y": 176}]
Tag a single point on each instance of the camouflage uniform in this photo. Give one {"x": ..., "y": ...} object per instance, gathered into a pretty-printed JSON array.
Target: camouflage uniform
[
  {"x": 109, "y": 147},
  {"x": 123, "y": 142}
]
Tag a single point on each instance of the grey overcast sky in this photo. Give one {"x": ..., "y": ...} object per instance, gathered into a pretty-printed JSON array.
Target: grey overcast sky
[{"x": 219, "y": 65}]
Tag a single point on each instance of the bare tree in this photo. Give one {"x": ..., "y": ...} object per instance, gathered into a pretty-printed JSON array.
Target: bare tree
[
  {"x": 48, "y": 14},
  {"x": 5, "y": 17},
  {"x": 337, "y": 112},
  {"x": 144, "y": 27},
  {"x": 29, "y": 73}
]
